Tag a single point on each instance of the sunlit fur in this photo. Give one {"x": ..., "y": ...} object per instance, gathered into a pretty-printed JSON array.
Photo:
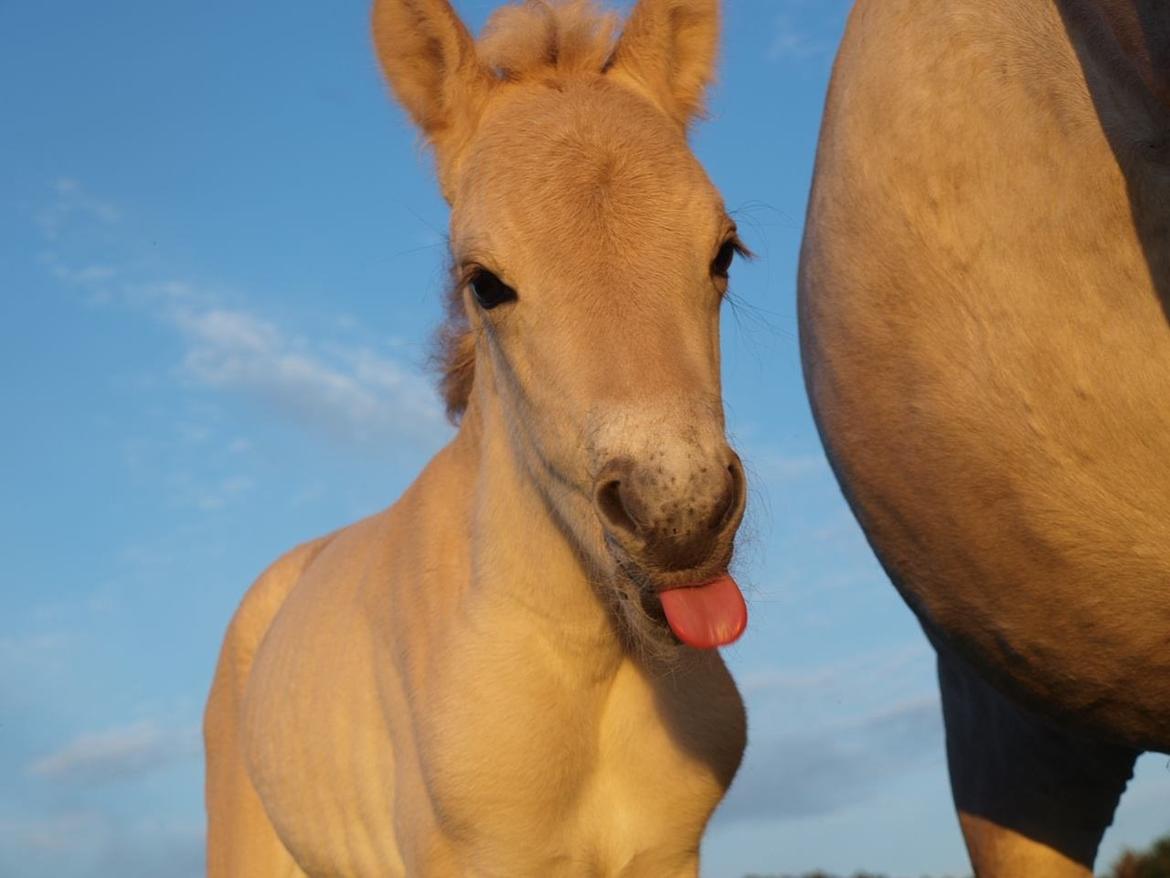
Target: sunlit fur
[
  {"x": 545, "y": 44},
  {"x": 479, "y": 680},
  {"x": 984, "y": 302}
]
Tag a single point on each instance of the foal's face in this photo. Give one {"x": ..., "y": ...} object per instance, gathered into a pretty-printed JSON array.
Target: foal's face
[
  {"x": 593, "y": 253},
  {"x": 593, "y": 256}
]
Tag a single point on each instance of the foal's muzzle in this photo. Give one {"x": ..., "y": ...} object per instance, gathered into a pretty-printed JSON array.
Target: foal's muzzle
[{"x": 667, "y": 520}]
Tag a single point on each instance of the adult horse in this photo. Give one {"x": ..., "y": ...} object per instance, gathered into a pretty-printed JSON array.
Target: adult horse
[
  {"x": 490, "y": 677},
  {"x": 984, "y": 290}
]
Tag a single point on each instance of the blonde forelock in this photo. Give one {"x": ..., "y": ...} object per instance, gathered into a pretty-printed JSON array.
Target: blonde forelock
[{"x": 540, "y": 37}]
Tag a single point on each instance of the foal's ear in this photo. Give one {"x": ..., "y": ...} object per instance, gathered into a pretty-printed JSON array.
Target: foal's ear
[
  {"x": 668, "y": 49},
  {"x": 429, "y": 58}
]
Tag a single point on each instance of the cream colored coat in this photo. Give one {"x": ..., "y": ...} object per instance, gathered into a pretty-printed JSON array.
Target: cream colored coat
[{"x": 477, "y": 681}]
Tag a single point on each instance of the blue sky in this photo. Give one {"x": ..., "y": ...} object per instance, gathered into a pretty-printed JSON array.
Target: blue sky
[{"x": 221, "y": 258}]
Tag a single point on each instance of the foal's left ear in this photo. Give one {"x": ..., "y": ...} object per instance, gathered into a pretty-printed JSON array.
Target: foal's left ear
[{"x": 668, "y": 50}]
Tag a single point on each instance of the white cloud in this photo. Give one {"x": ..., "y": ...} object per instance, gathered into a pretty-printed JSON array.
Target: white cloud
[
  {"x": 118, "y": 754},
  {"x": 359, "y": 396},
  {"x": 327, "y": 385}
]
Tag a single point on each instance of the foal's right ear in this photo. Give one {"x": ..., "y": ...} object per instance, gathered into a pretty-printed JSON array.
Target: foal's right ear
[{"x": 429, "y": 58}]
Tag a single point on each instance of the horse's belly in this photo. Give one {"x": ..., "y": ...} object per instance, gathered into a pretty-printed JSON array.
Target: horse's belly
[
  {"x": 1040, "y": 572},
  {"x": 1022, "y": 509},
  {"x": 988, "y": 360}
]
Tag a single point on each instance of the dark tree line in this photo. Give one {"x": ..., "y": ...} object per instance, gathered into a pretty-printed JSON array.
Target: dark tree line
[{"x": 1154, "y": 862}]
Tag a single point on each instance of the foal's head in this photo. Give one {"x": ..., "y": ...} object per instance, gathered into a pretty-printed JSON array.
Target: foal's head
[{"x": 591, "y": 255}]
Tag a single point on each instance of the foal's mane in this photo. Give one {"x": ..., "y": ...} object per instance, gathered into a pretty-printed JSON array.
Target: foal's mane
[
  {"x": 536, "y": 39},
  {"x": 543, "y": 36}
]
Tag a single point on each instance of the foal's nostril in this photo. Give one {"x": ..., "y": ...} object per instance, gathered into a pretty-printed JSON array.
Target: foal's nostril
[
  {"x": 732, "y": 499},
  {"x": 721, "y": 506},
  {"x": 613, "y": 508}
]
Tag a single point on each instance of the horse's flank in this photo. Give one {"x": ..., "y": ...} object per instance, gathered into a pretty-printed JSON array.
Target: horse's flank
[{"x": 983, "y": 301}]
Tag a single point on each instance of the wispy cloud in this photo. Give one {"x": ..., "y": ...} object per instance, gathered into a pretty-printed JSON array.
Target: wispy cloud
[
  {"x": 212, "y": 495},
  {"x": 806, "y": 29},
  {"x": 72, "y": 202},
  {"x": 32, "y": 646},
  {"x": 118, "y": 754},
  {"x": 149, "y": 847},
  {"x": 863, "y": 670},
  {"x": 54, "y": 832},
  {"x": 355, "y": 396},
  {"x": 31, "y": 656},
  {"x": 782, "y": 468},
  {"x": 326, "y": 385},
  {"x": 94, "y": 843},
  {"x": 792, "y": 42},
  {"x": 827, "y": 769}
]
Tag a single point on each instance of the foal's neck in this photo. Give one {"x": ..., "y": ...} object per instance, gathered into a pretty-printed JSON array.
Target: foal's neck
[{"x": 525, "y": 573}]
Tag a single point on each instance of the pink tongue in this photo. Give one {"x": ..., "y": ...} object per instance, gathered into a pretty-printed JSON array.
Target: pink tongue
[{"x": 706, "y": 616}]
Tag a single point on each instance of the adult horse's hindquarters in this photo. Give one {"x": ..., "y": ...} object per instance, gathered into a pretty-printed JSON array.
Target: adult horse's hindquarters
[{"x": 984, "y": 290}]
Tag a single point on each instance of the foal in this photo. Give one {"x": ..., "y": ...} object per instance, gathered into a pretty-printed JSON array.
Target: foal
[{"x": 511, "y": 670}]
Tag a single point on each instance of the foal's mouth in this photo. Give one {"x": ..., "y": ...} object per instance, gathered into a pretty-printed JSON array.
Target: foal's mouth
[{"x": 702, "y": 608}]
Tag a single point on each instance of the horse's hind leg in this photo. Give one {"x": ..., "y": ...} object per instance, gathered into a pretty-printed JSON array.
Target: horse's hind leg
[{"x": 1033, "y": 800}]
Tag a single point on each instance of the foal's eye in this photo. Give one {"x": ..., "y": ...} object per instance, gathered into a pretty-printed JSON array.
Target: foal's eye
[
  {"x": 489, "y": 290},
  {"x": 721, "y": 264}
]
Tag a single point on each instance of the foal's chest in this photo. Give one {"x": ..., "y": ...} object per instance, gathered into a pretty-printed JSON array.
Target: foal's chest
[
  {"x": 614, "y": 780},
  {"x": 473, "y": 769}
]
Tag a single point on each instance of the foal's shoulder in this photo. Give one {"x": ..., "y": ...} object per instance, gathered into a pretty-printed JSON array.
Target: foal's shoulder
[{"x": 264, "y": 598}]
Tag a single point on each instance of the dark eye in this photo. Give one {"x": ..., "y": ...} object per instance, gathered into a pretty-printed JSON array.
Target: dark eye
[
  {"x": 721, "y": 264},
  {"x": 489, "y": 290}
]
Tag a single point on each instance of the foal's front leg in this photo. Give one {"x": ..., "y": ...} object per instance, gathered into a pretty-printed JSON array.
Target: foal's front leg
[{"x": 1033, "y": 800}]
